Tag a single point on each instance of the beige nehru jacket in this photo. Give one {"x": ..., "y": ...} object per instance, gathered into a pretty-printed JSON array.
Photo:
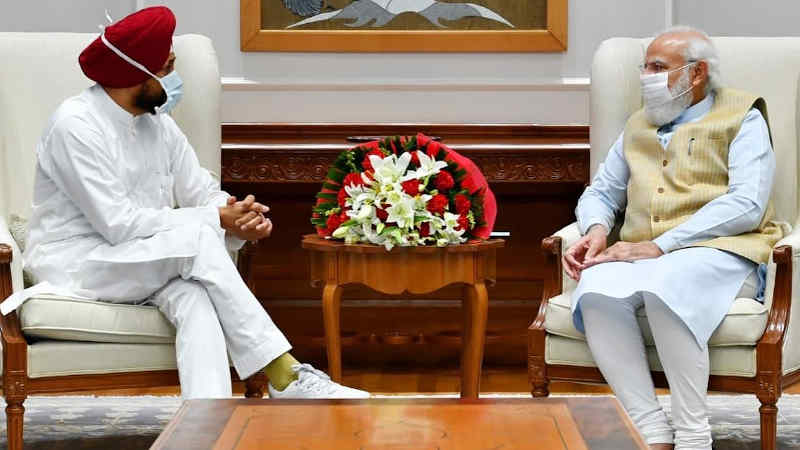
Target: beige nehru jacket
[{"x": 667, "y": 186}]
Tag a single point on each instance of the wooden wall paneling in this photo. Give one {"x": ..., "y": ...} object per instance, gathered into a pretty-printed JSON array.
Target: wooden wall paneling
[{"x": 536, "y": 172}]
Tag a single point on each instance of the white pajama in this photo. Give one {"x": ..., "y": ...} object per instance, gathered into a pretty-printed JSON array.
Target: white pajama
[
  {"x": 618, "y": 348},
  {"x": 200, "y": 291}
]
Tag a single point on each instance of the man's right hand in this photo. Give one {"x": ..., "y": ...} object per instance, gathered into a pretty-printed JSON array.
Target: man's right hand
[
  {"x": 590, "y": 245},
  {"x": 245, "y": 219}
]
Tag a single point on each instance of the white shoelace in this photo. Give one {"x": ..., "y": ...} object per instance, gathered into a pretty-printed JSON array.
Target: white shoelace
[{"x": 313, "y": 380}]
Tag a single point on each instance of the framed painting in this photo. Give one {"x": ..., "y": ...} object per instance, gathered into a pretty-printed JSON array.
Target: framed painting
[{"x": 404, "y": 25}]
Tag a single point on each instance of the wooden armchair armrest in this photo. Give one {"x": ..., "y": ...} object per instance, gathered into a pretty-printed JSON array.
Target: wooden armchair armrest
[
  {"x": 15, "y": 347},
  {"x": 769, "y": 350},
  {"x": 9, "y": 325}
]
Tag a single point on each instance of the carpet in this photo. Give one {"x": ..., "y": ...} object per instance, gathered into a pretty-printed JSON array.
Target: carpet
[{"x": 133, "y": 423}]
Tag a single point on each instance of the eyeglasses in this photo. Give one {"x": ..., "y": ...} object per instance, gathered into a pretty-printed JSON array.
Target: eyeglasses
[{"x": 658, "y": 67}]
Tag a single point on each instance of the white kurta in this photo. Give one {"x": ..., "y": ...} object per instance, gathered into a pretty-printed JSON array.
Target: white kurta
[
  {"x": 105, "y": 176},
  {"x": 124, "y": 212}
]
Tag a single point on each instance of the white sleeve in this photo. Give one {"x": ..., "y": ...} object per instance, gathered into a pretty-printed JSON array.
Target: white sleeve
[
  {"x": 194, "y": 185},
  {"x": 74, "y": 156}
]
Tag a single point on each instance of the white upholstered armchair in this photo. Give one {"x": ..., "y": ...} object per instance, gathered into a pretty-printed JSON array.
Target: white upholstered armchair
[
  {"x": 756, "y": 349},
  {"x": 60, "y": 344}
]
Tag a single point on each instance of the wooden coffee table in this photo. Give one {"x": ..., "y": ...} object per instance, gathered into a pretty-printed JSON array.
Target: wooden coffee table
[
  {"x": 418, "y": 270},
  {"x": 595, "y": 423}
]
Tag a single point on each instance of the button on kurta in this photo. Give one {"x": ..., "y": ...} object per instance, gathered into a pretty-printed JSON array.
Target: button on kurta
[
  {"x": 656, "y": 219},
  {"x": 660, "y": 190},
  {"x": 664, "y": 163}
]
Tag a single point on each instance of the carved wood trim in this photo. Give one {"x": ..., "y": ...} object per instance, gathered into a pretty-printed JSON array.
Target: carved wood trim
[
  {"x": 290, "y": 164},
  {"x": 302, "y": 153}
]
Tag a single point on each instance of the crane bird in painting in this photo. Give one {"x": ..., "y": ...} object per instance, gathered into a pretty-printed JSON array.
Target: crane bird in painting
[{"x": 380, "y": 12}]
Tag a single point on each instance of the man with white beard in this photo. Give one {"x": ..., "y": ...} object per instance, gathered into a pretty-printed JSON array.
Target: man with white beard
[{"x": 693, "y": 171}]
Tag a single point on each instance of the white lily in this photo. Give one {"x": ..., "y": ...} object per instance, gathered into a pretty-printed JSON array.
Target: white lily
[
  {"x": 389, "y": 169},
  {"x": 427, "y": 166},
  {"x": 341, "y": 232},
  {"x": 402, "y": 211},
  {"x": 365, "y": 213}
]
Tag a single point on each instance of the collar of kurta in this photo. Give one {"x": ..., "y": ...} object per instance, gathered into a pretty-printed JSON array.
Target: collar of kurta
[
  {"x": 696, "y": 111},
  {"x": 110, "y": 108}
]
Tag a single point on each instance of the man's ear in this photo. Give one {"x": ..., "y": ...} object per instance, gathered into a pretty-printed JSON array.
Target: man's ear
[{"x": 700, "y": 73}]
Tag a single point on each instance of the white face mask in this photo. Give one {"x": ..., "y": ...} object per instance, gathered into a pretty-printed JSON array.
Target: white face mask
[
  {"x": 662, "y": 104},
  {"x": 171, "y": 83}
]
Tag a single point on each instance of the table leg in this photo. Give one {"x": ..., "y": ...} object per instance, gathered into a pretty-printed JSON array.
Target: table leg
[
  {"x": 331, "y": 302},
  {"x": 475, "y": 305}
]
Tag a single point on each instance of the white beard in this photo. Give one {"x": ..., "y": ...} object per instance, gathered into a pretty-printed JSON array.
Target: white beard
[{"x": 665, "y": 113}]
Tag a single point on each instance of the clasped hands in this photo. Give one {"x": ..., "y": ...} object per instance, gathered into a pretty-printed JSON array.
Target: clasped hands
[
  {"x": 591, "y": 250},
  {"x": 245, "y": 219}
]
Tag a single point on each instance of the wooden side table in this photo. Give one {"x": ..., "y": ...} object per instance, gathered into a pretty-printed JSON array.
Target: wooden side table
[{"x": 417, "y": 270}]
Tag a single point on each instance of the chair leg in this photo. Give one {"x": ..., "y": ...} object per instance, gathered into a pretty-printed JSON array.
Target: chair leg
[
  {"x": 537, "y": 372},
  {"x": 769, "y": 425},
  {"x": 15, "y": 413},
  {"x": 255, "y": 385}
]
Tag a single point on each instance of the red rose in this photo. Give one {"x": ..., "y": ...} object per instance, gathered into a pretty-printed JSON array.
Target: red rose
[
  {"x": 341, "y": 197},
  {"x": 382, "y": 214},
  {"x": 433, "y": 148},
  {"x": 333, "y": 222},
  {"x": 444, "y": 181},
  {"x": 424, "y": 229},
  {"x": 353, "y": 179},
  {"x": 415, "y": 158},
  {"x": 437, "y": 204},
  {"x": 469, "y": 184},
  {"x": 462, "y": 204},
  {"x": 366, "y": 164},
  {"x": 411, "y": 187},
  {"x": 463, "y": 222}
]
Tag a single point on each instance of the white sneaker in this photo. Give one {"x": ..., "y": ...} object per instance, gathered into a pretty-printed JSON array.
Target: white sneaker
[{"x": 315, "y": 384}]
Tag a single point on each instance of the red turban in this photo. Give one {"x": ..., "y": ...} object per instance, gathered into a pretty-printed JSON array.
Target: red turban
[{"x": 145, "y": 36}]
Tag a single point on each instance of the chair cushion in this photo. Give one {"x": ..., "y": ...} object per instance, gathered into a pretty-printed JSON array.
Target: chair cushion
[
  {"x": 730, "y": 360},
  {"x": 60, "y": 358},
  {"x": 69, "y": 319},
  {"x": 743, "y": 325}
]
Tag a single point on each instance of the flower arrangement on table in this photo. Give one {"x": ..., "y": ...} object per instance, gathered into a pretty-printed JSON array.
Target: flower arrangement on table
[{"x": 404, "y": 191}]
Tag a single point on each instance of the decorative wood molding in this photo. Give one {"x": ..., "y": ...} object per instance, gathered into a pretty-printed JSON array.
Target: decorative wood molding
[
  {"x": 552, "y": 38},
  {"x": 284, "y": 164},
  {"x": 302, "y": 153}
]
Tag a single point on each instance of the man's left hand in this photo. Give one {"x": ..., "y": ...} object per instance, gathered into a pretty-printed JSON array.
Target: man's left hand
[{"x": 626, "y": 251}]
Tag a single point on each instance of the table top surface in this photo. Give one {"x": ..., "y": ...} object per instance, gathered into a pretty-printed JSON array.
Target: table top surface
[
  {"x": 242, "y": 424},
  {"x": 318, "y": 243}
]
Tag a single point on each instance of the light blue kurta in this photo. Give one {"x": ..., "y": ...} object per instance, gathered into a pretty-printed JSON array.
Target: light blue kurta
[{"x": 697, "y": 283}]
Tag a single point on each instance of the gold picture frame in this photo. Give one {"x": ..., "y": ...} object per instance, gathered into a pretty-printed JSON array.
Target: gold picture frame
[{"x": 552, "y": 38}]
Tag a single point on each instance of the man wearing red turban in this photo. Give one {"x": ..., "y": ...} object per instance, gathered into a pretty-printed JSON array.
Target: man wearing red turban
[{"x": 124, "y": 213}]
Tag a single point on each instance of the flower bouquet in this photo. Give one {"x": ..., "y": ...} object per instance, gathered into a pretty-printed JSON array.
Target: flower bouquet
[{"x": 404, "y": 191}]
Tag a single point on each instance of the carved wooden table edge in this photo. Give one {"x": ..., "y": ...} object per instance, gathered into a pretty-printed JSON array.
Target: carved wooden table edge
[{"x": 473, "y": 264}]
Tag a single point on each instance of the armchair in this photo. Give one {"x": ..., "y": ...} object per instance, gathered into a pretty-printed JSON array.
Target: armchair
[
  {"x": 56, "y": 345},
  {"x": 755, "y": 349}
]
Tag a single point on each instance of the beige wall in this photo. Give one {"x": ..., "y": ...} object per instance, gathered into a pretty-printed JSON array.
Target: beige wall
[{"x": 522, "y": 88}]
